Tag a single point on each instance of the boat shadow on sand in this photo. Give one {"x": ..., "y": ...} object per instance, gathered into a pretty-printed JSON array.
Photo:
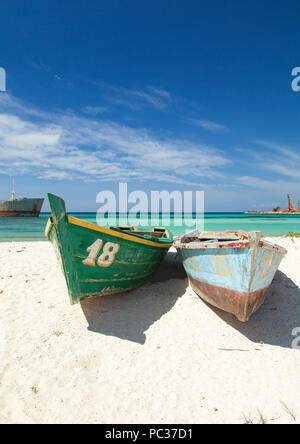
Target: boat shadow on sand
[
  {"x": 275, "y": 320},
  {"x": 130, "y": 314}
]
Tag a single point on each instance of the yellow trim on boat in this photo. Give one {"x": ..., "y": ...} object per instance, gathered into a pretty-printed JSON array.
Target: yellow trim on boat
[
  {"x": 127, "y": 228},
  {"x": 85, "y": 224},
  {"x": 165, "y": 231}
]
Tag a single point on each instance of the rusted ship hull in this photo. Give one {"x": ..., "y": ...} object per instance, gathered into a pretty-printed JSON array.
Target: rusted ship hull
[
  {"x": 19, "y": 213},
  {"x": 21, "y": 207},
  {"x": 232, "y": 271}
]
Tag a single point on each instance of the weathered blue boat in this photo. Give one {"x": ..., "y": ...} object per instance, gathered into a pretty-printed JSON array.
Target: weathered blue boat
[{"x": 231, "y": 270}]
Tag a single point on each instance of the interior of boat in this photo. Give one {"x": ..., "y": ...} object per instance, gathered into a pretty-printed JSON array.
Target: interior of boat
[
  {"x": 213, "y": 236},
  {"x": 157, "y": 232}
]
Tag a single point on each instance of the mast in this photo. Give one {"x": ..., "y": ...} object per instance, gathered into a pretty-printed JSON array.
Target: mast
[
  {"x": 12, "y": 197},
  {"x": 290, "y": 208}
]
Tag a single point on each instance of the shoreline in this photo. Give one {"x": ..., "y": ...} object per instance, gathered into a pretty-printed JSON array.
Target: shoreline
[
  {"x": 274, "y": 236},
  {"x": 32, "y": 229},
  {"x": 280, "y": 213}
]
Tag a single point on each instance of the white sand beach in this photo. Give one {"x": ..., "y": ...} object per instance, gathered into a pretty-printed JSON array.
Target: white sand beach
[{"x": 158, "y": 354}]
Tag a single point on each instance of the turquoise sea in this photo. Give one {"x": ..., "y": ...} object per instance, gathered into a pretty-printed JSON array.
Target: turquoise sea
[{"x": 32, "y": 228}]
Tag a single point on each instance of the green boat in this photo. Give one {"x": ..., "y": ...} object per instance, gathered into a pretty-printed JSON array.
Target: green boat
[{"x": 98, "y": 261}]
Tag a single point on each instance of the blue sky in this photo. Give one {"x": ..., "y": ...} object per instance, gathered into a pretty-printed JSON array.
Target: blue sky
[{"x": 164, "y": 95}]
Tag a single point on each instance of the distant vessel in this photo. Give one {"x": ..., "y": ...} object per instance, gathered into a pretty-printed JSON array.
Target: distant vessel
[
  {"x": 277, "y": 210},
  {"x": 20, "y": 207}
]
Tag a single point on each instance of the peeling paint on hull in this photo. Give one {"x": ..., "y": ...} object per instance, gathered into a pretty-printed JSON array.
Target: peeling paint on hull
[
  {"x": 230, "y": 270},
  {"x": 241, "y": 304}
]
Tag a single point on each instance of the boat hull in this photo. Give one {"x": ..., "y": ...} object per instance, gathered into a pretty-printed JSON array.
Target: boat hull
[
  {"x": 21, "y": 208},
  {"x": 241, "y": 304},
  {"x": 98, "y": 261},
  {"x": 19, "y": 213},
  {"x": 235, "y": 279}
]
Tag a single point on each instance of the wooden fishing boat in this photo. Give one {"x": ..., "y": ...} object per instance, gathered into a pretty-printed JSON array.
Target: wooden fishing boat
[
  {"x": 231, "y": 270},
  {"x": 100, "y": 261}
]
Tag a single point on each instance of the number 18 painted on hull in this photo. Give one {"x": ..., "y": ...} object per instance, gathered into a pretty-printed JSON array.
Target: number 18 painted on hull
[{"x": 106, "y": 258}]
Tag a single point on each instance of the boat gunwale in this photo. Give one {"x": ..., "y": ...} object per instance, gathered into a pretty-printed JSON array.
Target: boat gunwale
[
  {"x": 272, "y": 247},
  {"x": 234, "y": 243},
  {"x": 84, "y": 224},
  {"x": 211, "y": 245}
]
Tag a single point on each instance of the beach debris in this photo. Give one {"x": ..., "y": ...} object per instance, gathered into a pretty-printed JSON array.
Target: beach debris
[
  {"x": 262, "y": 419},
  {"x": 288, "y": 410},
  {"x": 234, "y": 349},
  {"x": 34, "y": 389},
  {"x": 248, "y": 419}
]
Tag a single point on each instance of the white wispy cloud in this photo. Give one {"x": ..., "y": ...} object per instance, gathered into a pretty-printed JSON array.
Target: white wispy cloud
[
  {"x": 255, "y": 182},
  {"x": 63, "y": 145},
  {"x": 94, "y": 110},
  {"x": 135, "y": 98},
  {"x": 160, "y": 92},
  {"x": 274, "y": 190},
  {"x": 281, "y": 159},
  {"x": 208, "y": 125},
  {"x": 286, "y": 151},
  {"x": 275, "y": 173}
]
